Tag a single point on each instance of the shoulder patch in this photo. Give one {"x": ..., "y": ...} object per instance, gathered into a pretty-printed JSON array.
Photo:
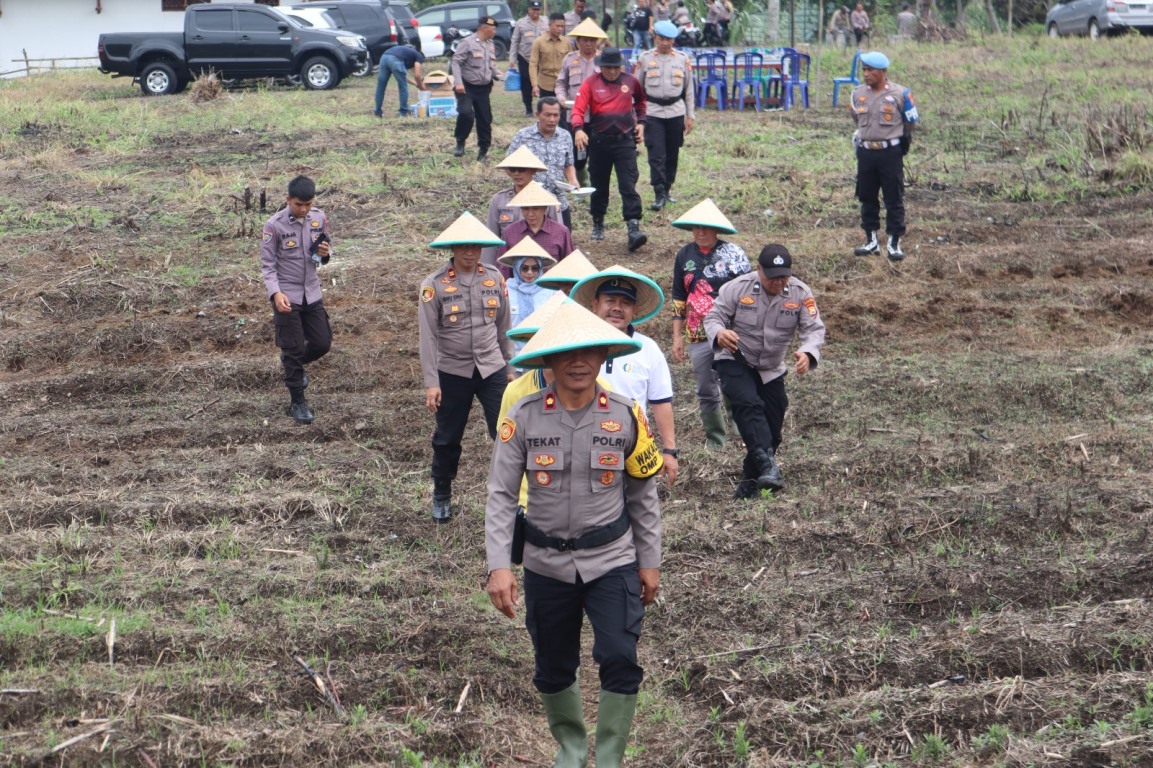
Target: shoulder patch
[
  {"x": 507, "y": 429},
  {"x": 426, "y": 293},
  {"x": 811, "y": 305},
  {"x": 267, "y": 236}
]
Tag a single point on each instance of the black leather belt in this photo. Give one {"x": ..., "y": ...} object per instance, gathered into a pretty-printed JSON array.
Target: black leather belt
[
  {"x": 596, "y": 537},
  {"x": 666, "y": 101}
]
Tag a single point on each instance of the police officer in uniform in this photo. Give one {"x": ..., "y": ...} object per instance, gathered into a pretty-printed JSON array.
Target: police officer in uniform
[
  {"x": 592, "y": 540},
  {"x": 289, "y": 257},
  {"x": 883, "y": 113},
  {"x": 464, "y": 352},
  {"x": 667, "y": 78},
  {"x": 524, "y": 33},
  {"x": 473, "y": 70},
  {"x": 577, "y": 67},
  {"x": 751, "y": 326}
]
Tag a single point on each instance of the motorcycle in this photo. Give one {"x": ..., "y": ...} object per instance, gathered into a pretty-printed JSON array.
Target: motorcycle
[
  {"x": 452, "y": 36},
  {"x": 689, "y": 36}
]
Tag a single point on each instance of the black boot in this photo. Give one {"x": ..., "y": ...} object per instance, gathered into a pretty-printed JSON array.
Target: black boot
[
  {"x": 894, "y": 248},
  {"x": 298, "y": 408},
  {"x": 482, "y": 154},
  {"x": 636, "y": 237},
  {"x": 769, "y": 474},
  {"x": 871, "y": 246},
  {"x": 659, "y": 202},
  {"x": 598, "y": 229},
  {"x": 669, "y": 196},
  {"x": 746, "y": 489},
  {"x": 459, "y": 151},
  {"x": 442, "y": 500}
]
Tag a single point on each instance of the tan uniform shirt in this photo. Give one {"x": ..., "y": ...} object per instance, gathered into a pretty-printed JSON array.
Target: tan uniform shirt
[
  {"x": 545, "y": 60},
  {"x": 583, "y": 472},
  {"x": 766, "y": 324},
  {"x": 463, "y": 319},
  {"x": 667, "y": 77},
  {"x": 879, "y": 115},
  {"x": 524, "y": 33},
  {"x": 571, "y": 19},
  {"x": 574, "y": 70},
  {"x": 474, "y": 62}
]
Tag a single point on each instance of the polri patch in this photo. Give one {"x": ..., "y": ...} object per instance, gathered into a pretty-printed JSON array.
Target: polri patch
[
  {"x": 611, "y": 426},
  {"x": 748, "y": 300},
  {"x": 608, "y": 460},
  {"x": 507, "y": 429},
  {"x": 489, "y": 283},
  {"x": 316, "y": 224},
  {"x": 544, "y": 460},
  {"x": 290, "y": 244},
  {"x": 543, "y": 478},
  {"x": 426, "y": 293},
  {"x": 492, "y": 302},
  {"x": 608, "y": 477},
  {"x": 791, "y": 305},
  {"x": 451, "y": 289}
]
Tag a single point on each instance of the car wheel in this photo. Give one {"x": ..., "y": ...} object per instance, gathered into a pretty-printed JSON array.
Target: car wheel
[
  {"x": 158, "y": 79},
  {"x": 501, "y": 48},
  {"x": 1053, "y": 33},
  {"x": 365, "y": 69},
  {"x": 1094, "y": 29},
  {"x": 319, "y": 74}
]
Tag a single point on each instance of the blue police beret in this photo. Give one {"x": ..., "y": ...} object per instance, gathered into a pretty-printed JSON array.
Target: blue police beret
[
  {"x": 667, "y": 29},
  {"x": 875, "y": 60}
]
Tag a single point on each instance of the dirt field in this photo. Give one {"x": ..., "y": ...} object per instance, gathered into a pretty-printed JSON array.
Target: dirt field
[{"x": 959, "y": 572}]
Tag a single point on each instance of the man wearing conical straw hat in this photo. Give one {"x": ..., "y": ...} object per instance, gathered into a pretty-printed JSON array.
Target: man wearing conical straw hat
[
  {"x": 751, "y": 328},
  {"x": 553, "y": 237},
  {"x": 568, "y": 273},
  {"x": 464, "y": 352},
  {"x": 578, "y": 66},
  {"x": 624, "y": 299},
  {"x": 592, "y": 544},
  {"x": 520, "y": 166},
  {"x": 699, "y": 271}
]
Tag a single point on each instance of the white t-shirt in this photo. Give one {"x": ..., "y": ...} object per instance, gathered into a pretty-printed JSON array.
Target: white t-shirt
[{"x": 644, "y": 375}]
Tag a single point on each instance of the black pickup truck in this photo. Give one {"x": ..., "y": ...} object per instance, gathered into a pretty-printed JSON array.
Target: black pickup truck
[{"x": 235, "y": 41}]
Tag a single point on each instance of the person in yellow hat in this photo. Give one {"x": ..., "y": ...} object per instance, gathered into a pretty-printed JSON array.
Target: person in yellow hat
[
  {"x": 592, "y": 540},
  {"x": 521, "y": 166},
  {"x": 699, "y": 271},
  {"x": 463, "y": 313}
]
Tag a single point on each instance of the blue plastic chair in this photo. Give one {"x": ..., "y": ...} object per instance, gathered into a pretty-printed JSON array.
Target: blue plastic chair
[
  {"x": 627, "y": 53},
  {"x": 852, "y": 80},
  {"x": 747, "y": 75},
  {"x": 795, "y": 75},
  {"x": 711, "y": 74}
]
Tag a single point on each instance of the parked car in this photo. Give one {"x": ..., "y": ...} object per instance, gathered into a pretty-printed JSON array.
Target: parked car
[
  {"x": 465, "y": 16},
  {"x": 1098, "y": 17},
  {"x": 236, "y": 41},
  {"x": 431, "y": 40},
  {"x": 382, "y": 23}
]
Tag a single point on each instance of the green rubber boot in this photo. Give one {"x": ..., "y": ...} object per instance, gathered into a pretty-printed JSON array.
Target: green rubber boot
[
  {"x": 716, "y": 431},
  {"x": 567, "y": 724},
  {"x": 614, "y": 721}
]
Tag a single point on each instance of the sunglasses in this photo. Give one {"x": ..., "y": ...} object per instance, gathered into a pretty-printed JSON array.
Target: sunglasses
[{"x": 530, "y": 268}]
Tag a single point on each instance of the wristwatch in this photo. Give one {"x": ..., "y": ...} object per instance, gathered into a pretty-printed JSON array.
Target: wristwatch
[{"x": 671, "y": 452}]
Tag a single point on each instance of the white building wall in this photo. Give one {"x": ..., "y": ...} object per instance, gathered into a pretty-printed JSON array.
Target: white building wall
[{"x": 69, "y": 28}]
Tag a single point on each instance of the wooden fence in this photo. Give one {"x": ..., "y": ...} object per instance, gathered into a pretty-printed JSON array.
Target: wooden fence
[{"x": 35, "y": 66}]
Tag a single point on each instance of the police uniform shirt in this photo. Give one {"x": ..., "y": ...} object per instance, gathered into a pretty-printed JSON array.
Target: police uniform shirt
[
  {"x": 584, "y": 469},
  {"x": 642, "y": 376},
  {"x": 474, "y": 61},
  {"x": 571, "y": 19},
  {"x": 882, "y": 115},
  {"x": 574, "y": 70},
  {"x": 524, "y": 33},
  {"x": 667, "y": 77},
  {"x": 463, "y": 320},
  {"x": 285, "y": 258},
  {"x": 766, "y": 324}
]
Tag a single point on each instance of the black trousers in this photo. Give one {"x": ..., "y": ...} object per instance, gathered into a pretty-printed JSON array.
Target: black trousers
[
  {"x": 473, "y": 105},
  {"x": 758, "y": 408},
  {"x": 456, "y": 394},
  {"x": 553, "y": 615},
  {"x": 664, "y": 137},
  {"x": 302, "y": 335},
  {"x": 525, "y": 83},
  {"x": 606, "y": 154},
  {"x": 881, "y": 170}
]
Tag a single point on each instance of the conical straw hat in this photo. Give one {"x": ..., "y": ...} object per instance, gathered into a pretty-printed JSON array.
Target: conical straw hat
[
  {"x": 533, "y": 194},
  {"x": 466, "y": 230},
  {"x": 705, "y": 214},
  {"x": 573, "y": 327},
  {"x": 650, "y": 297},
  {"x": 528, "y": 327},
  {"x": 588, "y": 28},
  {"x": 568, "y": 271},
  {"x": 523, "y": 158},
  {"x": 527, "y": 247}
]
